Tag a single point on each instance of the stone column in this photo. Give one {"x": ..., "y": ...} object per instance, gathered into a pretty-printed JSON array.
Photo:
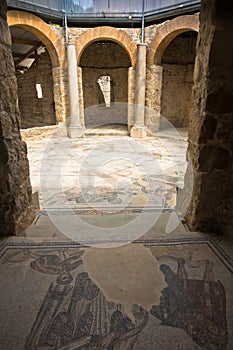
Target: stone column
[
  {"x": 75, "y": 129},
  {"x": 139, "y": 129},
  {"x": 154, "y": 78},
  {"x": 16, "y": 208}
]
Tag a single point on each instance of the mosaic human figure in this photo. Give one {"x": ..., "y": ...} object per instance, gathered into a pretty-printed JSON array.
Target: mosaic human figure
[
  {"x": 196, "y": 306},
  {"x": 78, "y": 316}
]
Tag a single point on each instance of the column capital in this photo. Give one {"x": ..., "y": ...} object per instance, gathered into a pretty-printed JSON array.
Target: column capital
[
  {"x": 70, "y": 42},
  {"x": 142, "y": 44}
]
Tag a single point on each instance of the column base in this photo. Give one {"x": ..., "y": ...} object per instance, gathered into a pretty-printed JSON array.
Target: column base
[
  {"x": 75, "y": 132},
  {"x": 138, "y": 132}
]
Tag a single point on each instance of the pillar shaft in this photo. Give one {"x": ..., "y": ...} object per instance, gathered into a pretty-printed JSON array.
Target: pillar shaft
[{"x": 75, "y": 129}]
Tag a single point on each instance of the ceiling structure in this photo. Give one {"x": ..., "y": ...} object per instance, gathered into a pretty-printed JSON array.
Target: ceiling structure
[
  {"x": 26, "y": 47},
  {"x": 98, "y": 12}
]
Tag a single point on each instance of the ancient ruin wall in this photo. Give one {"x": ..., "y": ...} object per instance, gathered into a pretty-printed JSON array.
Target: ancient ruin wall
[
  {"x": 176, "y": 93},
  {"x": 15, "y": 189},
  {"x": 105, "y": 59},
  {"x": 211, "y": 128},
  {"x": 36, "y": 111},
  {"x": 178, "y": 65}
]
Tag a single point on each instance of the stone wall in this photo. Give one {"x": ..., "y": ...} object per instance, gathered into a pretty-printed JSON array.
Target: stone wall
[
  {"x": 15, "y": 189},
  {"x": 95, "y": 111},
  {"x": 176, "y": 93},
  {"x": 182, "y": 49},
  {"x": 178, "y": 64},
  {"x": 211, "y": 125},
  {"x": 105, "y": 59},
  {"x": 36, "y": 111},
  {"x": 105, "y": 54},
  {"x": 60, "y": 91},
  {"x": 157, "y": 38},
  {"x": 153, "y": 97}
]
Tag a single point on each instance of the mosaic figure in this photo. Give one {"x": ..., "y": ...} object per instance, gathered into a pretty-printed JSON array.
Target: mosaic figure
[
  {"x": 196, "y": 306},
  {"x": 77, "y": 315}
]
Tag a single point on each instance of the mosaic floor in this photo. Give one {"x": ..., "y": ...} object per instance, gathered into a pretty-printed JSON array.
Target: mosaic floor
[
  {"x": 123, "y": 291},
  {"x": 76, "y": 281},
  {"x": 163, "y": 294},
  {"x": 108, "y": 172}
]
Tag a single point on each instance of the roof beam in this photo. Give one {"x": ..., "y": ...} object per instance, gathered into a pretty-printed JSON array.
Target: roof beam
[
  {"x": 24, "y": 41},
  {"x": 18, "y": 56},
  {"x": 27, "y": 54}
]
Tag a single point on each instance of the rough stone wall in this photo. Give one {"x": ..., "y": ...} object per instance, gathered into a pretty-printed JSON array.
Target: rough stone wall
[
  {"x": 81, "y": 99},
  {"x": 105, "y": 55},
  {"x": 182, "y": 49},
  {"x": 37, "y": 111},
  {"x": 95, "y": 112},
  {"x": 15, "y": 189},
  {"x": 131, "y": 96},
  {"x": 153, "y": 97},
  {"x": 97, "y": 60},
  {"x": 133, "y": 33},
  {"x": 82, "y": 37},
  {"x": 157, "y": 37},
  {"x": 176, "y": 93},
  {"x": 178, "y": 65},
  {"x": 211, "y": 127},
  {"x": 60, "y": 92}
]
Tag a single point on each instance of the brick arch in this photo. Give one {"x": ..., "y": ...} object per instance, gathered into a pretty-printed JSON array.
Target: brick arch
[
  {"x": 167, "y": 32},
  {"x": 43, "y": 32},
  {"x": 106, "y": 33}
]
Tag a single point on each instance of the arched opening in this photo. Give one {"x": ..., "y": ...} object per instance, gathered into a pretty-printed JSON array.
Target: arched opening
[
  {"x": 177, "y": 80},
  {"x": 34, "y": 77},
  {"x": 105, "y": 66},
  {"x": 105, "y": 85}
]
